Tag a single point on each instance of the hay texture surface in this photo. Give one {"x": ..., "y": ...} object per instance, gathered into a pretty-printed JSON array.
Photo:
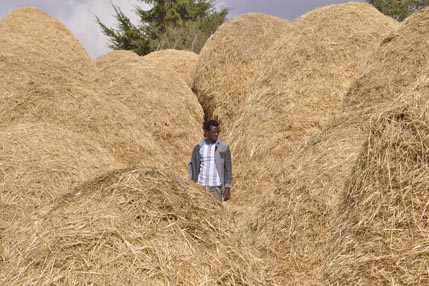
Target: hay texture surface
[
  {"x": 46, "y": 78},
  {"x": 40, "y": 162},
  {"x": 291, "y": 226},
  {"x": 228, "y": 61},
  {"x": 381, "y": 233},
  {"x": 397, "y": 63},
  {"x": 49, "y": 51},
  {"x": 182, "y": 62},
  {"x": 161, "y": 101},
  {"x": 300, "y": 84},
  {"x": 139, "y": 226}
]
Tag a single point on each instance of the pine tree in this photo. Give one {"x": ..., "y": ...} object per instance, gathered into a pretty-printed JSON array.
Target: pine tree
[{"x": 177, "y": 24}]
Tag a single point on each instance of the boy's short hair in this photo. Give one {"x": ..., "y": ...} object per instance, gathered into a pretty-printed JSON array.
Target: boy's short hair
[{"x": 209, "y": 123}]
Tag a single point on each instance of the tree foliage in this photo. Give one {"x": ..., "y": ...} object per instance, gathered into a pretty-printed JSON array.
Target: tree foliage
[
  {"x": 177, "y": 24},
  {"x": 398, "y": 9}
]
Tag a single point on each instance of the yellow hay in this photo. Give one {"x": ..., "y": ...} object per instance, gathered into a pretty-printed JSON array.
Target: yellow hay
[
  {"x": 380, "y": 234},
  {"x": 228, "y": 61},
  {"x": 299, "y": 86},
  {"x": 39, "y": 162},
  {"x": 137, "y": 226},
  {"x": 182, "y": 62},
  {"x": 166, "y": 107},
  {"x": 46, "y": 77},
  {"x": 397, "y": 64}
]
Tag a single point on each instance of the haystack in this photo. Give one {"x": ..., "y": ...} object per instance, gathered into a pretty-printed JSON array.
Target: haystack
[
  {"x": 46, "y": 77},
  {"x": 40, "y": 162},
  {"x": 228, "y": 61},
  {"x": 166, "y": 107},
  {"x": 182, "y": 62},
  {"x": 300, "y": 84},
  {"x": 50, "y": 52},
  {"x": 397, "y": 64},
  {"x": 291, "y": 224},
  {"x": 140, "y": 226},
  {"x": 381, "y": 232}
]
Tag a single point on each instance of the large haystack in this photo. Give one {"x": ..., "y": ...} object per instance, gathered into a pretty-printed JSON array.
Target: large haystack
[
  {"x": 182, "y": 62},
  {"x": 31, "y": 37},
  {"x": 381, "y": 233},
  {"x": 300, "y": 84},
  {"x": 141, "y": 226},
  {"x": 397, "y": 63},
  {"x": 39, "y": 162},
  {"x": 291, "y": 224},
  {"x": 160, "y": 99},
  {"x": 45, "y": 78},
  {"x": 228, "y": 61}
]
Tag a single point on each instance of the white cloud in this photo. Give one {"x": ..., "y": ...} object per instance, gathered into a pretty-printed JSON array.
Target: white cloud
[{"x": 81, "y": 21}]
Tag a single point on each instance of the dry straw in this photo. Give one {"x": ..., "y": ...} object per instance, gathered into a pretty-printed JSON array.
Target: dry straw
[
  {"x": 299, "y": 85},
  {"x": 381, "y": 232},
  {"x": 182, "y": 62},
  {"x": 164, "y": 104},
  {"x": 397, "y": 63},
  {"x": 137, "y": 226},
  {"x": 291, "y": 224},
  {"x": 310, "y": 185},
  {"x": 46, "y": 77},
  {"x": 40, "y": 162},
  {"x": 228, "y": 61}
]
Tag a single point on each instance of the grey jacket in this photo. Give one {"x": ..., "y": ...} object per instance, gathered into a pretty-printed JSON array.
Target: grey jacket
[{"x": 222, "y": 160}]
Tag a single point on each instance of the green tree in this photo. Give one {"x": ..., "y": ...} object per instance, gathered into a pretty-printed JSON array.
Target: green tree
[
  {"x": 398, "y": 9},
  {"x": 176, "y": 24}
]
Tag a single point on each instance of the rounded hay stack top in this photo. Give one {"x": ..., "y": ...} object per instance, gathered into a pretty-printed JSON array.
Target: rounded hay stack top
[
  {"x": 47, "y": 78},
  {"x": 300, "y": 83},
  {"x": 228, "y": 60},
  {"x": 159, "y": 98},
  {"x": 136, "y": 226},
  {"x": 32, "y": 38},
  {"x": 402, "y": 57},
  {"x": 182, "y": 62}
]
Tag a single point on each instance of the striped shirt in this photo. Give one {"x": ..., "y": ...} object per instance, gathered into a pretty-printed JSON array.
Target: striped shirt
[{"x": 208, "y": 175}]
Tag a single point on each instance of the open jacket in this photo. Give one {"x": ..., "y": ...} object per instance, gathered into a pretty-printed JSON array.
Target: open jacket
[{"x": 222, "y": 160}]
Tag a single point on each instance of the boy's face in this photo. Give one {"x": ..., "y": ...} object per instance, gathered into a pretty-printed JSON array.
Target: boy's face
[{"x": 213, "y": 134}]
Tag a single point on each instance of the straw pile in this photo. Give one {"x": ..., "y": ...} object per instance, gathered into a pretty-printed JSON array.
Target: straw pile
[
  {"x": 46, "y": 78},
  {"x": 291, "y": 224},
  {"x": 300, "y": 84},
  {"x": 48, "y": 50},
  {"x": 183, "y": 62},
  {"x": 40, "y": 162},
  {"x": 228, "y": 61},
  {"x": 399, "y": 62},
  {"x": 140, "y": 226},
  {"x": 160, "y": 99},
  {"x": 382, "y": 228}
]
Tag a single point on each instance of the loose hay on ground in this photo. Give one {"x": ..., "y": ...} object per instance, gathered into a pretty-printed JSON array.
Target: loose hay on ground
[
  {"x": 166, "y": 107},
  {"x": 46, "y": 77},
  {"x": 299, "y": 86},
  {"x": 137, "y": 226},
  {"x": 228, "y": 61},
  {"x": 381, "y": 233}
]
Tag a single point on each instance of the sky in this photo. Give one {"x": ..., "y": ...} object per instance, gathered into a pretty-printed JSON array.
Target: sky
[{"x": 79, "y": 15}]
